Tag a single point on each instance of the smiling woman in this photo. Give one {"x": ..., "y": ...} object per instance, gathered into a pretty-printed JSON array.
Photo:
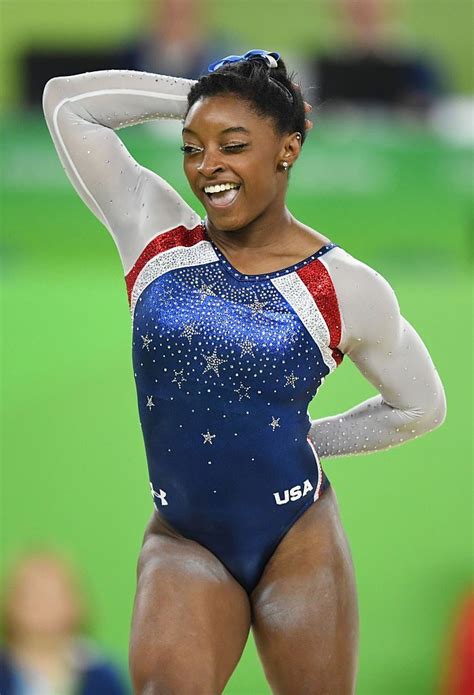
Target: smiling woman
[{"x": 237, "y": 319}]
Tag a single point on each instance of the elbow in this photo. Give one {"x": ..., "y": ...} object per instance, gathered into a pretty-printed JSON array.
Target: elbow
[
  {"x": 53, "y": 91},
  {"x": 49, "y": 86},
  {"x": 436, "y": 415},
  {"x": 420, "y": 420},
  {"x": 439, "y": 413},
  {"x": 48, "y": 97}
]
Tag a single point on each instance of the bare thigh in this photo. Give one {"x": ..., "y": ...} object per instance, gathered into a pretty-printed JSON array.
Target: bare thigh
[
  {"x": 191, "y": 618},
  {"x": 305, "y": 615}
]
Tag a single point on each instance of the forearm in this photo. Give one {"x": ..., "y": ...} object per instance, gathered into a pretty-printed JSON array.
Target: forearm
[
  {"x": 119, "y": 98},
  {"x": 391, "y": 355},
  {"x": 373, "y": 425}
]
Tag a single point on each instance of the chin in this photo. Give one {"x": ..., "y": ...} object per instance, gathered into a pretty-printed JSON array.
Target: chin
[{"x": 226, "y": 225}]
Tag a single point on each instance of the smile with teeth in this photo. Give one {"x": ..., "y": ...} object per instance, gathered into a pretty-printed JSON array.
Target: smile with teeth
[
  {"x": 220, "y": 187},
  {"x": 222, "y": 194}
]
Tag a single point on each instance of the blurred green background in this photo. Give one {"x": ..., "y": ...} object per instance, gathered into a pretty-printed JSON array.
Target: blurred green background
[
  {"x": 394, "y": 195},
  {"x": 444, "y": 26}
]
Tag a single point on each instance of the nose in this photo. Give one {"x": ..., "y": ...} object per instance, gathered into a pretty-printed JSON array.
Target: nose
[{"x": 210, "y": 164}]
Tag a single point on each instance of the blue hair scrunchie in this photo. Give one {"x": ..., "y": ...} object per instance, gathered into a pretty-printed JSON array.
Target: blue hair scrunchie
[{"x": 270, "y": 57}]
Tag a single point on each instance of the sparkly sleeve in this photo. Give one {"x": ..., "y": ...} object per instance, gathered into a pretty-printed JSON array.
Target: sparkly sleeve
[
  {"x": 82, "y": 112},
  {"x": 390, "y": 354}
]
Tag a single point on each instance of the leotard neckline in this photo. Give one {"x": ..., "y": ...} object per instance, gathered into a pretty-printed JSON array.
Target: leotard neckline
[{"x": 265, "y": 276}]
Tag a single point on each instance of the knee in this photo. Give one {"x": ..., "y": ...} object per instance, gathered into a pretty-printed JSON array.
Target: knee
[
  {"x": 163, "y": 686},
  {"x": 155, "y": 687}
]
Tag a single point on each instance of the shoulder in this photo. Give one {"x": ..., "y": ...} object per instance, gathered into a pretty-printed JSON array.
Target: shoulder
[
  {"x": 177, "y": 247},
  {"x": 347, "y": 269},
  {"x": 367, "y": 302}
]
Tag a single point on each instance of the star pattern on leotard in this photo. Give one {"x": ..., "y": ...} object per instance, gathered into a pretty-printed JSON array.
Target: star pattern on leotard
[
  {"x": 213, "y": 362},
  {"x": 223, "y": 355},
  {"x": 178, "y": 377},
  {"x": 189, "y": 331},
  {"x": 146, "y": 342},
  {"x": 243, "y": 391},
  {"x": 247, "y": 347},
  {"x": 291, "y": 379},
  {"x": 208, "y": 437},
  {"x": 206, "y": 291},
  {"x": 257, "y": 306},
  {"x": 274, "y": 423}
]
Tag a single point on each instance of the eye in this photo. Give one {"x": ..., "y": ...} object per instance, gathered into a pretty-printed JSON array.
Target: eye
[
  {"x": 188, "y": 149},
  {"x": 235, "y": 148}
]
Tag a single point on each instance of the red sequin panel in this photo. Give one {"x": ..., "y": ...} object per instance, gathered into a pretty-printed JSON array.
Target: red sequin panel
[
  {"x": 318, "y": 281},
  {"x": 180, "y": 236}
]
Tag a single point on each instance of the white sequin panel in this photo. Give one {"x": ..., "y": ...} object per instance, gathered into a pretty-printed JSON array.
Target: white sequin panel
[
  {"x": 293, "y": 289},
  {"x": 177, "y": 257}
]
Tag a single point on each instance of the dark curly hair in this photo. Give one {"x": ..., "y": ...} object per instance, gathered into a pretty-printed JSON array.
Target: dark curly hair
[{"x": 270, "y": 92}]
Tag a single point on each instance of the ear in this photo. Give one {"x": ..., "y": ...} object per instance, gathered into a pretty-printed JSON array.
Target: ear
[{"x": 291, "y": 148}]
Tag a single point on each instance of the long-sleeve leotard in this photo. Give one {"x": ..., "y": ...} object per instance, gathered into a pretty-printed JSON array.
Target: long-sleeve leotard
[
  {"x": 136, "y": 205},
  {"x": 390, "y": 354}
]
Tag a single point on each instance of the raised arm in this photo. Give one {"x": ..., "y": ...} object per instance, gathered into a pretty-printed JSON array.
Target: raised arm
[
  {"x": 391, "y": 355},
  {"x": 82, "y": 112}
]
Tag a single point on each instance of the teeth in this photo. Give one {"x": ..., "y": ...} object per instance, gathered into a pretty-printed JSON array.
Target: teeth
[{"x": 220, "y": 187}]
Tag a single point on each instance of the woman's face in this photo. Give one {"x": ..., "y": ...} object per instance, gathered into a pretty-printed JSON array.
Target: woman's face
[
  {"x": 42, "y": 600},
  {"x": 226, "y": 142}
]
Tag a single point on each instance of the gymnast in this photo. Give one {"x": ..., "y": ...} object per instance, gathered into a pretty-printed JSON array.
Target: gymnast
[{"x": 237, "y": 320}]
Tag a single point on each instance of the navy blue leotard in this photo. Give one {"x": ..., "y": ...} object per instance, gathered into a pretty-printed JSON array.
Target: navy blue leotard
[
  {"x": 226, "y": 364},
  {"x": 225, "y": 367}
]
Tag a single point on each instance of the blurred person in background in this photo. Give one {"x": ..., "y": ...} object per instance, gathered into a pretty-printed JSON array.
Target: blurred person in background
[
  {"x": 373, "y": 66},
  {"x": 44, "y": 652},
  {"x": 176, "y": 40},
  {"x": 458, "y": 664}
]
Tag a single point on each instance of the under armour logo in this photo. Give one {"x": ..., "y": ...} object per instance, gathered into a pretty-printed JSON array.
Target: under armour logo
[{"x": 161, "y": 495}]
